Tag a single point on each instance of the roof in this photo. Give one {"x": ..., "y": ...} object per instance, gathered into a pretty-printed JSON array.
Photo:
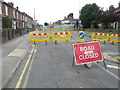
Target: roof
[{"x": 117, "y": 11}]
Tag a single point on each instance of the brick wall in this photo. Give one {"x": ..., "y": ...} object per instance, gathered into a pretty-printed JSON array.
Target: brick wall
[
  {"x": 3, "y": 10},
  {"x": 19, "y": 16},
  {"x": 10, "y": 12}
]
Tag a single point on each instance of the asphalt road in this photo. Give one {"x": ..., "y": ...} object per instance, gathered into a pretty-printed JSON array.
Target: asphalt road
[{"x": 50, "y": 66}]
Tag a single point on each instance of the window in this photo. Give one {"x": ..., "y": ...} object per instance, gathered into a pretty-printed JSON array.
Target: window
[
  {"x": 14, "y": 13},
  {"x": 6, "y": 8},
  {"x": 17, "y": 15},
  {"x": 23, "y": 24},
  {"x": 14, "y": 24},
  {"x": 21, "y": 17},
  {"x": 0, "y": 8}
]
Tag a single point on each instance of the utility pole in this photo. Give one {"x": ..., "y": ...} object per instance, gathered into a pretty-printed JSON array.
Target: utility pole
[
  {"x": 79, "y": 15},
  {"x": 34, "y": 13}
]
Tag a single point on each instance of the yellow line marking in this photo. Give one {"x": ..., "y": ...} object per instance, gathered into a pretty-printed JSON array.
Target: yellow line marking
[
  {"x": 21, "y": 76},
  {"x": 26, "y": 79}
]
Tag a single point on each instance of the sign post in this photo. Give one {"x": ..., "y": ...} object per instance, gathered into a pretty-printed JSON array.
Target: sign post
[
  {"x": 81, "y": 37},
  {"x": 88, "y": 52}
]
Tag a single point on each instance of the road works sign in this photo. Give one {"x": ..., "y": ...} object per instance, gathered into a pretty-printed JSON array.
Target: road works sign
[{"x": 87, "y": 52}]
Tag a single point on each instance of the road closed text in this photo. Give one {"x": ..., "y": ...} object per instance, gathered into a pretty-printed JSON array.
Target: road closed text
[{"x": 88, "y": 53}]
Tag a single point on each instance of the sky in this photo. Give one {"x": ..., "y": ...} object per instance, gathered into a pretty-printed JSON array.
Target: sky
[{"x": 53, "y": 10}]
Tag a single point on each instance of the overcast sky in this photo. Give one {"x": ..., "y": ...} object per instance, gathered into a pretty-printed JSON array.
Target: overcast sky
[{"x": 53, "y": 10}]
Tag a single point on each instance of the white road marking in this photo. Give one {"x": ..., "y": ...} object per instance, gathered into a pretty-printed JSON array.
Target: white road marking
[
  {"x": 110, "y": 66},
  {"x": 109, "y": 72}
]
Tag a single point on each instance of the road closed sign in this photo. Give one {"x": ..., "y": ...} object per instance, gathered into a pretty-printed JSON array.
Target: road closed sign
[{"x": 87, "y": 52}]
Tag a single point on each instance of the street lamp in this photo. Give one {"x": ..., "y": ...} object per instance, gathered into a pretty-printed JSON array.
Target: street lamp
[{"x": 79, "y": 21}]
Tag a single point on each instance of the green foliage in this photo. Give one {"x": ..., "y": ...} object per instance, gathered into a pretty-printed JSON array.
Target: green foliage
[
  {"x": 94, "y": 24},
  {"x": 88, "y": 14},
  {"x": 7, "y": 22}
]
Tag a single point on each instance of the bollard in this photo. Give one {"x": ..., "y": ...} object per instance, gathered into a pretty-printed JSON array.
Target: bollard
[
  {"x": 81, "y": 37},
  {"x": 10, "y": 34},
  {"x": 6, "y": 34},
  {"x": 13, "y": 33}
]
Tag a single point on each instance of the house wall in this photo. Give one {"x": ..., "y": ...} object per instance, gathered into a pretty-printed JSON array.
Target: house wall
[
  {"x": 19, "y": 19},
  {"x": 0, "y": 16}
]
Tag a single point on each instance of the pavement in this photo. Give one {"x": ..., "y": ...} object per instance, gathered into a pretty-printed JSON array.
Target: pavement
[
  {"x": 13, "y": 52},
  {"x": 11, "y": 61},
  {"x": 0, "y": 60}
]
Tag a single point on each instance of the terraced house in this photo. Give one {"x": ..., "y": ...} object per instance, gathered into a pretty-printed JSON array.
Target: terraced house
[
  {"x": 0, "y": 15},
  {"x": 19, "y": 19}
]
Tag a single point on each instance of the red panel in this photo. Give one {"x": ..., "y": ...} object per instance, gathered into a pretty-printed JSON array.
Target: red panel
[
  {"x": 61, "y": 33},
  {"x": 95, "y": 33},
  {"x": 55, "y": 33},
  {"x": 105, "y": 34},
  {"x": 100, "y": 33},
  {"x": 39, "y": 34},
  {"x": 34, "y": 34},
  {"x": 66, "y": 33},
  {"x": 45, "y": 33},
  {"x": 118, "y": 35}
]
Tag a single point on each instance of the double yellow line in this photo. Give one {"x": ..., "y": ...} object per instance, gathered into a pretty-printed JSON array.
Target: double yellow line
[{"x": 26, "y": 65}]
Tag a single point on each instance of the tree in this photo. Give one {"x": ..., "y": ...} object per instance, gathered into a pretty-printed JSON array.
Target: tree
[
  {"x": 7, "y": 22},
  {"x": 46, "y": 24},
  {"x": 106, "y": 17},
  {"x": 88, "y": 14}
]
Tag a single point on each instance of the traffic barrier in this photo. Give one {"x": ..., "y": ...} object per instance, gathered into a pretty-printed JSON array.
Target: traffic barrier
[
  {"x": 60, "y": 29},
  {"x": 61, "y": 36},
  {"x": 102, "y": 37},
  {"x": 115, "y": 38},
  {"x": 37, "y": 28},
  {"x": 40, "y": 37}
]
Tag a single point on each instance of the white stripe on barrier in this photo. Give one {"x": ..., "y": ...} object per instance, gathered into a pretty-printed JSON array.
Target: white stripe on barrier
[
  {"x": 58, "y": 33},
  {"x": 36, "y": 33},
  {"x": 42, "y": 33},
  {"x": 63, "y": 32},
  {"x": 116, "y": 34},
  {"x": 103, "y": 33},
  {"x": 98, "y": 33}
]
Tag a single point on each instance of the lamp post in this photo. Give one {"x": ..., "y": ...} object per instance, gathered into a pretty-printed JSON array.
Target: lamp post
[{"x": 79, "y": 21}]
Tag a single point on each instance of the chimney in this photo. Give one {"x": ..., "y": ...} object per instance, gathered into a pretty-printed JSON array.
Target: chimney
[
  {"x": 17, "y": 7},
  {"x": 11, "y": 4}
]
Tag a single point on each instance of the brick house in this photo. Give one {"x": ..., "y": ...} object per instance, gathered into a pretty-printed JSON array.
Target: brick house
[
  {"x": 18, "y": 18},
  {"x": 117, "y": 13},
  {"x": 29, "y": 21},
  {"x": 0, "y": 15}
]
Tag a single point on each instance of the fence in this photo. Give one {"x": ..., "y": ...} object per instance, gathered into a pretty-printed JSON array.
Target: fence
[{"x": 102, "y": 30}]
